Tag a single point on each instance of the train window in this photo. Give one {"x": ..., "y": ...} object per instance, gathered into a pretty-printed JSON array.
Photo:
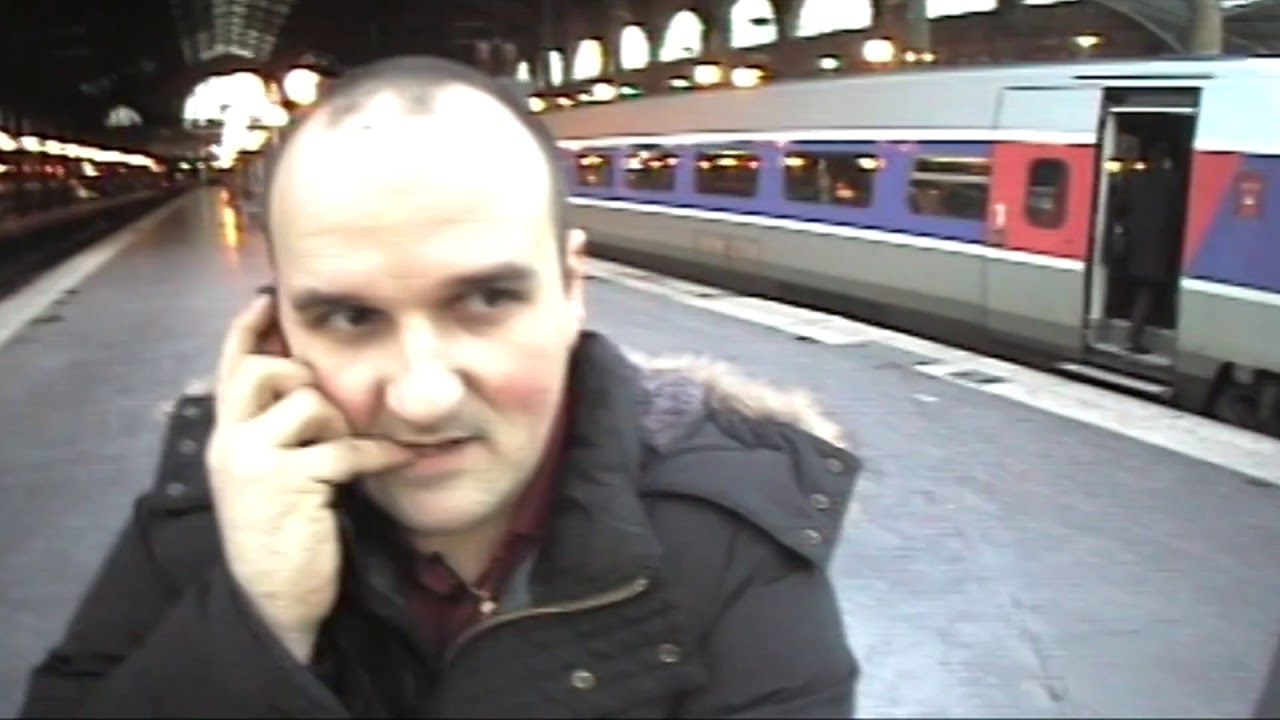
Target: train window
[
  {"x": 595, "y": 169},
  {"x": 954, "y": 187},
  {"x": 651, "y": 168},
  {"x": 728, "y": 172},
  {"x": 1047, "y": 193},
  {"x": 830, "y": 178}
]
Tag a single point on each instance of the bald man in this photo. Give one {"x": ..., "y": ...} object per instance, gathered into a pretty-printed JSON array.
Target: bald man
[{"x": 422, "y": 488}]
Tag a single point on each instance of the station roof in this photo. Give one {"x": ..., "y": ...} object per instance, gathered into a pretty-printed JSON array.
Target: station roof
[
  {"x": 78, "y": 59},
  {"x": 1250, "y": 26}
]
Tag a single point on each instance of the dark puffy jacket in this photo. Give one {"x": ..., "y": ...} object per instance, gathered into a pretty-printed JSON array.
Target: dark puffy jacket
[{"x": 684, "y": 577}]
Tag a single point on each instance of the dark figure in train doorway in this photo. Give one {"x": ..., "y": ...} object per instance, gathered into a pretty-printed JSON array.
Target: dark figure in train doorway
[{"x": 1149, "y": 206}]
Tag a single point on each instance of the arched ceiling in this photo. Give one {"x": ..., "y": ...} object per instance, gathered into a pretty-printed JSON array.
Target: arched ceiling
[
  {"x": 1248, "y": 25},
  {"x": 75, "y": 60}
]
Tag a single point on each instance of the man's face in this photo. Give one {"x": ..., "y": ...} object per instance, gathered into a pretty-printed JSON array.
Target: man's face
[{"x": 420, "y": 279}]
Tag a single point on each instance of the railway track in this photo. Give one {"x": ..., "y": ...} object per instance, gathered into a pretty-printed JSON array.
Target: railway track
[{"x": 29, "y": 248}]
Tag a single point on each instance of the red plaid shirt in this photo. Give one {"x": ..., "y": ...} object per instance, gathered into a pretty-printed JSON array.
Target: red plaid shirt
[{"x": 442, "y": 602}]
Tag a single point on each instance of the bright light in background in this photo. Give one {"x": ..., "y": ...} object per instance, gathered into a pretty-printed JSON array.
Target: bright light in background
[
  {"x": 555, "y": 67},
  {"x": 1087, "y": 40},
  {"x": 752, "y": 23},
  {"x": 878, "y": 50},
  {"x": 588, "y": 60},
  {"x": 682, "y": 39},
  {"x": 745, "y": 77},
  {"x": 818, "y": 17},
  {"x": 604, "y": 92},
  {"x": 301, "y": 85},
  {"x": 633, "y": 48},
  {"x": 707, "y": 74},
  {"x": 945, "y": 8},
  {"x": 243, "y": 105}
]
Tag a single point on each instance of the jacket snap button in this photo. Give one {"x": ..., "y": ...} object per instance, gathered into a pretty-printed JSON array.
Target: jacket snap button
[
  {"x": 819, "y": 501},
  {"x": 813, "y": 537},
  {"x": 190, "y": 411},
  {"x": 834, "y": 465},
  {"x": 582, "y": 679},
  {"x": 175, "y": 490},
  {"x": 669, "y": 653},
  {"x": 186, "y": 447}
]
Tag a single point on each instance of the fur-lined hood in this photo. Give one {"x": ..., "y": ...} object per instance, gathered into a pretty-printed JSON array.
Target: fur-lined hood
[{"x": 682, "y": 387}]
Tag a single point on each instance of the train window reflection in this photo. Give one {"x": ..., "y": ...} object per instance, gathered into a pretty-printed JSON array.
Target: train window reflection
[
  {"x": 595, "y": 169},
  {"x": 1047, "y": 193},
  {"x": 728, "y": 172},
  {"x": 830, "y": 178},
  {"x": 651, "y": 168},
  {"x": 954, "y": 187}
]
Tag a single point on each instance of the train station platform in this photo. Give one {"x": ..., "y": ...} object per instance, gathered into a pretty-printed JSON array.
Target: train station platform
[{"x": 1021, "y": 545}]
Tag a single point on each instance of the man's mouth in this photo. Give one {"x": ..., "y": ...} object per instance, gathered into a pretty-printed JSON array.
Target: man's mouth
[{"x": 437, "y": 447}]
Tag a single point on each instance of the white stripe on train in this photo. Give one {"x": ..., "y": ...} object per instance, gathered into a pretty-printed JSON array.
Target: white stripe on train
[{"x": 844, "y": 135}]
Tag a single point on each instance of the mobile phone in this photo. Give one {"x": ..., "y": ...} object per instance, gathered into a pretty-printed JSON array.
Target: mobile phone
[{"x": 272, "y": 341}]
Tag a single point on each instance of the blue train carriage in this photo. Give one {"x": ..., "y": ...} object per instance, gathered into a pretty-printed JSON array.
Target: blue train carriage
[{"x": 976, "y": 204}]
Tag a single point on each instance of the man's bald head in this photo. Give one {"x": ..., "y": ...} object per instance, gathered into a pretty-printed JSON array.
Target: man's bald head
[{"x": 375, "y": 108}]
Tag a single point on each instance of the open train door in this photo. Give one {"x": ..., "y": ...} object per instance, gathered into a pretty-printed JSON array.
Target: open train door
[
  {"x": 1041, "y": 199},
  {"x": 1131, "y": 318}
]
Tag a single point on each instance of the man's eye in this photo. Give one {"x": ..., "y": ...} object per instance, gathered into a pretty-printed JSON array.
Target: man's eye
[
  {"x": 347, "y": 318},
  {"x": 492, "y": 298}
]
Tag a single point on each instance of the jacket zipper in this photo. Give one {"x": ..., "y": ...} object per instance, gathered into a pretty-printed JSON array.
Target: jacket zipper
[{"x": 626, "y": 592}]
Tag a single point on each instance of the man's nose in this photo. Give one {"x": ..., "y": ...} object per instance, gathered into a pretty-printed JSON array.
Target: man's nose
[{"x": 426, "y": 388}]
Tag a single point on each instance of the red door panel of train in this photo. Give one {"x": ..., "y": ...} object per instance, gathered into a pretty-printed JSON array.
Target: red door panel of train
[{"x": 1041, "y": 196}]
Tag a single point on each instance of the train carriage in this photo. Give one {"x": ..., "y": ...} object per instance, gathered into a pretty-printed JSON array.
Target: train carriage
[{"x": 974, "y": 204}]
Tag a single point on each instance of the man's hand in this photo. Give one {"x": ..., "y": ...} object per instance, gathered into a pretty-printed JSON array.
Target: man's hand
[{"x": 277, "y": 450}]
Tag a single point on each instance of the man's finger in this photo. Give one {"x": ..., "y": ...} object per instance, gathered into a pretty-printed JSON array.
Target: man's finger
[
  {"x": 243, "y": 334},
  {"x": 344, "y": 459},
  {"x": 258, "y": 382},
  {"x": 303, "y": 417}
]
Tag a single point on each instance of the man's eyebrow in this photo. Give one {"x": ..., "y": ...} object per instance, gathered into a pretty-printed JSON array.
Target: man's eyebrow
[
  {"x": 508, "y": 273},
  {"x": 312, "y": 300}
]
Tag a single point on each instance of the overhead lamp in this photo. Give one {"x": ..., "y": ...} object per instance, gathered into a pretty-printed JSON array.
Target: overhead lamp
[
  {"x": 537, "y": 104},
  {"x": 301, "y": 86},
  {"x": 745, "y": 77},
  {"x": 878, "y": 51},
  {"x": 1087, "y": 41},
  {"x": 7, "y": 143},
  {"x": 706, "y": 74},
  {"x": 604, "y": 92},
  {"x": 30, "y": 143},
  {"x": 829, "y": 63}
]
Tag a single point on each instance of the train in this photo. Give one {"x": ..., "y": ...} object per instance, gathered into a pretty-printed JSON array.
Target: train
[
  {"x": 976, "y": 205},
  {"x": 46, "y": 183}
]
